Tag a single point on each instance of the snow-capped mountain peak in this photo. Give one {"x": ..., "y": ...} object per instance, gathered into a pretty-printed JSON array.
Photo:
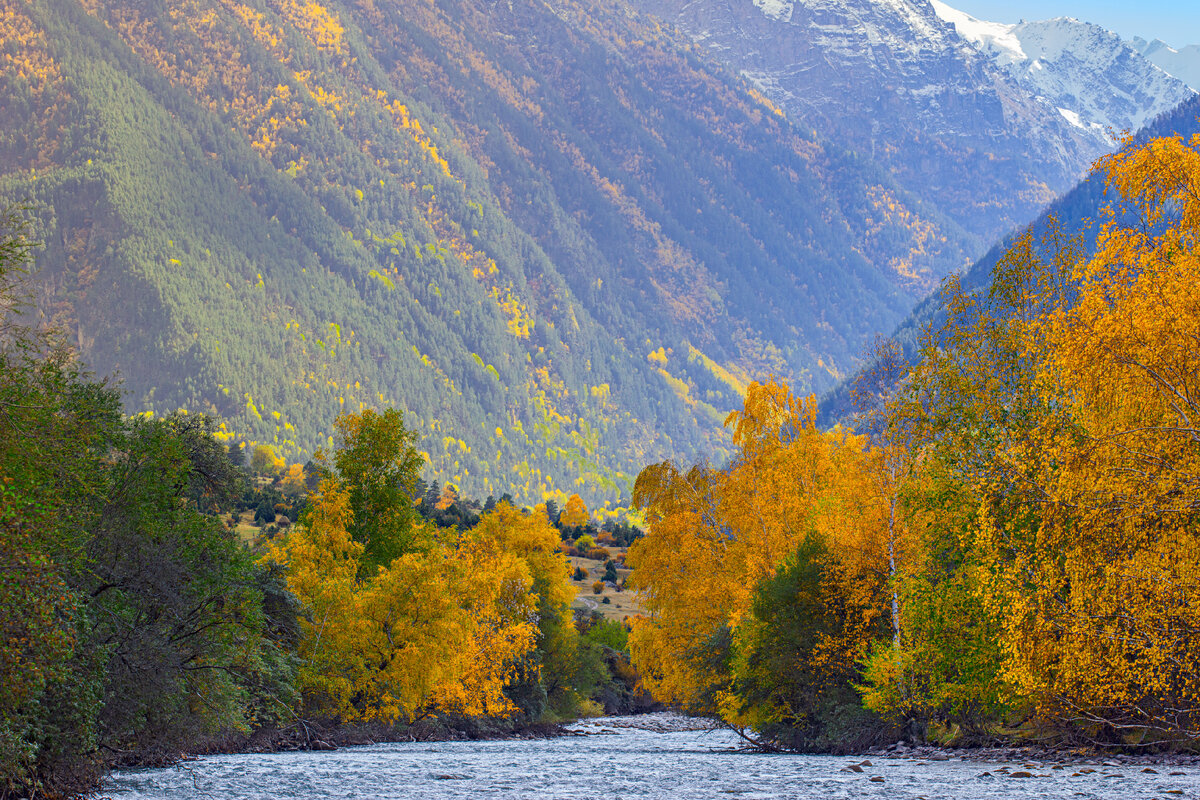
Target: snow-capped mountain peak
[
  {"x": 1099, "y": 83},
  {"x": 994, "y": 36},
  {"x": 984, "y": 121}
]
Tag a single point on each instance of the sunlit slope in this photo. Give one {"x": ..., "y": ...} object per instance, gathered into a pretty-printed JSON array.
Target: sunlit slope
[{"x": 555, "y": 236}]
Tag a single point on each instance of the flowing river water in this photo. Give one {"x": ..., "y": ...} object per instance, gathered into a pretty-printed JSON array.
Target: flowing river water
[{"x": 658, "y": 756}]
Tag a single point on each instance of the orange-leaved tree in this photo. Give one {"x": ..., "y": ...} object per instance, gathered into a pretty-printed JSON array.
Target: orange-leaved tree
[{"x": 717, "y": 540}]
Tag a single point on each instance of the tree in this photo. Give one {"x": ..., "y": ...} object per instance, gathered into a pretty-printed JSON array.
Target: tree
[
  {"x": 56, "y": 430},
  {"x": 1056, "y": 567},
  {"x": 575, "y": 514},
  {"x": 448, "y": 498},
  {"x": 295, "y": 481},
  {"x": 175, "y": 602},
  {"x": 552, "y": 512},
  {"x": 377, "y": 463},
  {"x": 877, "y": 396},
  {"x": 263, "y": 460},
  {"x": 793, "y": 679}
]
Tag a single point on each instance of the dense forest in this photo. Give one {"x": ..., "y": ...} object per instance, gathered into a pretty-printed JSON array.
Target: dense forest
[
  {"x": 1002, "y": 547},
  {"x": 554, "y": 234},
  {"x": 138, "y": 622}
]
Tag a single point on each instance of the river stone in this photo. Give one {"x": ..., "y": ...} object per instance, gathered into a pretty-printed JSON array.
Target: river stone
[
  {"x": 852, "y": 768},
  {"x": 1020, "y": 774},
  {"x": 877, "y": 779}
]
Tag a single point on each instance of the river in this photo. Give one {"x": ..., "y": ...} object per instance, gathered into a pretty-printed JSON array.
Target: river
[{"x": 632, "y": 757}]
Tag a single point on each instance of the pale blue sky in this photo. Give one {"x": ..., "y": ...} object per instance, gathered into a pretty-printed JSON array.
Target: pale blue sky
[{"x": 1176, "y": 22}]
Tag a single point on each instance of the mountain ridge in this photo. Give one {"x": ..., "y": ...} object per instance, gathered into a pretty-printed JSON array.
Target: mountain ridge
[
  {"x": 1183, "y": 63},
  {"x": 1098, "y": 82}
]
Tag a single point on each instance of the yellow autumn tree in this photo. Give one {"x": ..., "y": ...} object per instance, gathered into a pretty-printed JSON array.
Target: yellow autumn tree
[
  {"x": 294, "y": 481},
  {"x": 1109, "y": 636},
  {"x": 716, "y": 536},
  {"x": 322, "y": 564},
  {"x": 575, "y": 514},
  {"x": 1054, "y": 574},
  {"x": 531, "y": 538},
  {"x": 438, "y": 629},
  {"x": 447, "y": 498},
  {"x": 445, "y": 626}
]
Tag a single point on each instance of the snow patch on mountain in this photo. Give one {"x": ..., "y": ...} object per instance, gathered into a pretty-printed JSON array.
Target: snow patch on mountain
[
  {"x": 1099, "y": 83},
  {"x": 995, "y": 36},
  {"x": 1183, "y": 63},
  {"x": 776, "y": 9}
]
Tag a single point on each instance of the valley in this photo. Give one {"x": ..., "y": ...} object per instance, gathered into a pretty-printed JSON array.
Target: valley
[{"x": 432, "y": 371}]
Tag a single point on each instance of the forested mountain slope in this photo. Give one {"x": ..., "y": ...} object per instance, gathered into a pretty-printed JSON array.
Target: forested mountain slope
[
  {"x": 1080, "y": 212},
  {"x": 554, "y": 233}
]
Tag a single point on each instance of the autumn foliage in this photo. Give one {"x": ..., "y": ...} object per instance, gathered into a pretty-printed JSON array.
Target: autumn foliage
[
  {"x": 1006, "y": 546},
  {"x": 403, "y": 619},
  {"x": 719, "y": 535}
]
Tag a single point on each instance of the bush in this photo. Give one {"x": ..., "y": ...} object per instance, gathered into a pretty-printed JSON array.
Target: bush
[
  {"x": 598, "y": 554},
  {"x": 597, "y": 587},
  {"x": 580, "y": 574},
  {"x": 606, "y": 600},
  {"x": 265, "y": 513},
  {"x": 610, "y": 634}
]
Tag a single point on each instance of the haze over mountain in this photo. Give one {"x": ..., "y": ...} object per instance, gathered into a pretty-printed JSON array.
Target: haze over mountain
[
  {"x": 1078, "y": 212},
  {"x": 562, "y": 236},
  {"x": 1183, "y": 63}
]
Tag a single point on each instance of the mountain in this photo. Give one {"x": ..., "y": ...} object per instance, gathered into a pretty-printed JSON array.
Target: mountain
[
  {"x": 558, "y": 235},
  {"x": 985, "y": 128},
  {"x": 1098, "y": 82},
  {"x": 1076, "y": 213},
  {"x": 898, "y": 84},
  {"x": 1184, "y": 63}
]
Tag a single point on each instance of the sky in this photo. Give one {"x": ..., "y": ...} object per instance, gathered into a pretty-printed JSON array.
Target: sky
[{"x": 1176, "y": 22}]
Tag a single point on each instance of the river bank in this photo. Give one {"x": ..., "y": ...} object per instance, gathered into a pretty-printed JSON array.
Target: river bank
[{"x": 1054, "y": 756}]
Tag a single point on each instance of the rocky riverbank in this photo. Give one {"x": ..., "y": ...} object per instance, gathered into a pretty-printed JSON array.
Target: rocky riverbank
[{"x": 1035, "y": 757}]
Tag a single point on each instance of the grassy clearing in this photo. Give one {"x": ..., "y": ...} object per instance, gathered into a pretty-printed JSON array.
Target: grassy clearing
[{"x": 621, "y": 603}]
